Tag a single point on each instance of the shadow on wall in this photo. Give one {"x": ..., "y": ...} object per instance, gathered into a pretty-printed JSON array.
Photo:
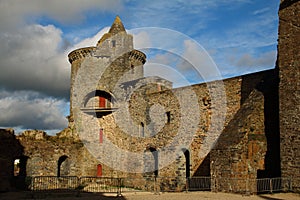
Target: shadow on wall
[
  {"x": 12, "y": 162},
  {"x": 267, "y": 82}
]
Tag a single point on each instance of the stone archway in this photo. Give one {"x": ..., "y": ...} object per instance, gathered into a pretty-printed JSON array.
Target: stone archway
[
  {"x": 63, "y": 166},
  {"x": 151, "y": 161},
  {"x": 183, "y": 163}
]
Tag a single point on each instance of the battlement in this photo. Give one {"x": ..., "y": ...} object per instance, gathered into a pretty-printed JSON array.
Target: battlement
[
  {"x": 138, "y": 55},
  {"x": 80, "y": 53}
]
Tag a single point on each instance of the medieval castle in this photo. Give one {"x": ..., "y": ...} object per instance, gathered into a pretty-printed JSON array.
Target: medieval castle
[{"x": 123, "y": 124}]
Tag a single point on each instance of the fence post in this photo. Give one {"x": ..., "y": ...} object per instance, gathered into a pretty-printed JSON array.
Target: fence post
[
  {"x": 271, "y": 186},
  {"x": 119, "y": 193}
]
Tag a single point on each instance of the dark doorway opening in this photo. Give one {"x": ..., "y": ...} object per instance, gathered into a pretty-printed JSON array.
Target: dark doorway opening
[{"x": 59, "y": 163}]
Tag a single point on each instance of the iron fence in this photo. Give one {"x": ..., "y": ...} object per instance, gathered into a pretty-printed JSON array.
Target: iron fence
[
  {"x": 100, "y": 184},
  {"x": 199, "y": 184},
  {"x": 273, "y": 185},
  {"x": 160, "y": 184},
  {"x": 42, "y": 183}
]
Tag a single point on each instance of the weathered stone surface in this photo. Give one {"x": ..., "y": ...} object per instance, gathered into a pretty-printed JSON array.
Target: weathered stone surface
[
  {"x": 231, "y": 135},
  {"x": 289, "y": 88},
  {"x": 240, "y": 151}
]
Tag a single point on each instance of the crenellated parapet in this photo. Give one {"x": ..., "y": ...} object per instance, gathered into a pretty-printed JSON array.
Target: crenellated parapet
[
  {"x": 138, "y": 55},
  {"x": 80, "y": 53}
]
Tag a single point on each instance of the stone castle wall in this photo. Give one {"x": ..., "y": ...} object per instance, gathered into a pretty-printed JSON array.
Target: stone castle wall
[
  {"x": 289, "y": 88},
  {"x": 146, "y": 128}
]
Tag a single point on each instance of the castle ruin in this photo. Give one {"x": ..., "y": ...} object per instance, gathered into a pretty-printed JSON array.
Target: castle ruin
[{"x": 113, "y": 106}]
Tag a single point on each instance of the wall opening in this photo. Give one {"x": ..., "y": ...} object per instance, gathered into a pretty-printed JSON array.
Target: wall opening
[
  {"x": 132, "y": 68},
  {"x": 62, "y": 169},
  {"x": 187, "y": 162},
  {"x": 142, "y": 130},
  {"x": 113, "y": 43},
  {"x": 16, "y": 167},
  {"x": 20, "y": 166},
  {"x": 99, "y": 170},
  {"x": 168, "y": 114},
  {"x": 98, "y": 99},
  {"x": 155, "y": 156},
  {"x": 151, "y": 162}
]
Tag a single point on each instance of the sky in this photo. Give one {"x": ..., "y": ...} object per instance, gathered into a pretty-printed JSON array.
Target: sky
[{"x": 36, "y": 36}]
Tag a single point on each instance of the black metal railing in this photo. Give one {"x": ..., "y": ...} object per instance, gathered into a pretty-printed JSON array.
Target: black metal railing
[{"x": 159, "y": 184}]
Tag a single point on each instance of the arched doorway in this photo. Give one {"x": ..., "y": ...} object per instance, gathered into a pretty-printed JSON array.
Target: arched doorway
[
  {"x": 151, "y": 161},
  {"x": 20, "y": 174},
  {"x": 187, "y": 162},
  {"x": 183, "y": 163},
  {"x": 20, "y": 164},
  {"x": 63, "y": 166}
]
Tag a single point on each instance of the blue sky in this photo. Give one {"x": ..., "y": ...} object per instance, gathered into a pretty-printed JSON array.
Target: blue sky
[{"x": 36, "y": 36}]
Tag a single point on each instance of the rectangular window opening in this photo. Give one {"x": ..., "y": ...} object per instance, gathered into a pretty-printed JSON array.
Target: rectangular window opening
[
  {"x": 168, "y": 116},
  {"x": 113, "y": 43}
]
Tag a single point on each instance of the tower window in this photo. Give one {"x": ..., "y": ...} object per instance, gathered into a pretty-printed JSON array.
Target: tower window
[
  {"x": 113, "y": 43},
  {"x": 168, "y": 114},
  {"x": 142, "y": 129}
]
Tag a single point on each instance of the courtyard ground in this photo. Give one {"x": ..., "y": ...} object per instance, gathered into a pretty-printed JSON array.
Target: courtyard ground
[{"x": 151, "y": 196}]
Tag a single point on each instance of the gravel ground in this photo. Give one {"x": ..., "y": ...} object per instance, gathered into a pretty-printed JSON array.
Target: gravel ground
[{"x": 151, "y": 196}]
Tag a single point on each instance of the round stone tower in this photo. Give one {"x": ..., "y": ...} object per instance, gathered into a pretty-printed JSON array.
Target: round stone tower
[{"x": 117, "y": 61}]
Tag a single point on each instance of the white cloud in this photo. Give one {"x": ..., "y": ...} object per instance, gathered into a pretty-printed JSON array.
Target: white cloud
[
  {"x": 31, "y": 59},
  {"x": 264, "y": 60},
  {"x": 198, "y": 62},
  {"x": 30, "y": 110},
  {"x": 91, "y": 41},
  {"x": 35, "y": 71},
  {"x": 141, "y": 39},
  {"x": 14, "y": 12}
]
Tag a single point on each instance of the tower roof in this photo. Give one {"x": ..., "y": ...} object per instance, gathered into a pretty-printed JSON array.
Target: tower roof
[{"x": 117, "y": 26}]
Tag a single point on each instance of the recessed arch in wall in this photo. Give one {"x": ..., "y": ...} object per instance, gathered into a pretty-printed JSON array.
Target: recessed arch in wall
[{"x": 63, "y": 166}]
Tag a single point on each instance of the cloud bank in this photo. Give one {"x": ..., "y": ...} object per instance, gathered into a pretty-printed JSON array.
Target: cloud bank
[{"x": 35, "y": 72}]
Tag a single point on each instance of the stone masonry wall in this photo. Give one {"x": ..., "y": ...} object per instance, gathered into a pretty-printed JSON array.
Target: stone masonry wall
[
  {"x": 173, "y": 131},
  {"x": 289, "y": 89},
  {"x": 43, "y": 153},
  {"x": 241, "y": 149}
]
